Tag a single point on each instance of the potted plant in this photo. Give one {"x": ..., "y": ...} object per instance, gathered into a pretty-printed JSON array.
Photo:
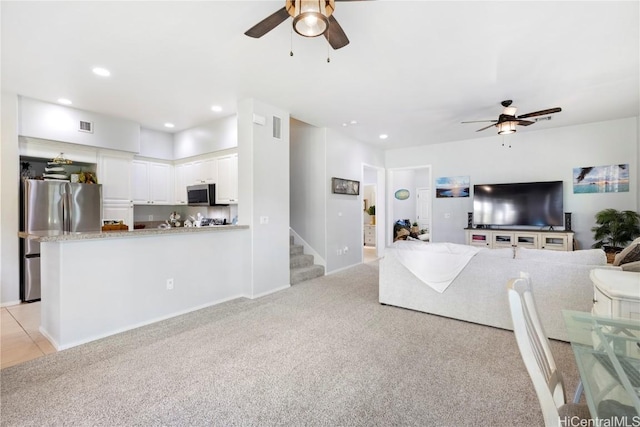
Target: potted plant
[
  {"x": 414, "y": 228},
  {"x": 372, "y": 211},
  {"x": 615, "y": 229}
]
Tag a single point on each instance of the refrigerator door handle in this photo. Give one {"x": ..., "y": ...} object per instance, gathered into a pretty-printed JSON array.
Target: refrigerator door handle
[{"x": 66, "y": 210}]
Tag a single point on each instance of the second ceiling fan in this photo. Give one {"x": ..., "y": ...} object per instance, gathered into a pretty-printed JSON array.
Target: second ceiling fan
[
  {"x": 311, "y": 18},
  {"x": 507, "y": 121}
]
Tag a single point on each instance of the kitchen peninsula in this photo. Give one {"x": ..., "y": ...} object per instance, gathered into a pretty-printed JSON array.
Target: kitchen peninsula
[{"x": 97, "y": 284}]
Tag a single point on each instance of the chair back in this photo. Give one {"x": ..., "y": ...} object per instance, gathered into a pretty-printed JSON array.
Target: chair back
[{"x": 535, "y": 350}]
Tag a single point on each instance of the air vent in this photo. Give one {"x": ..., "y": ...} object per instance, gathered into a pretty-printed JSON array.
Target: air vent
[
  {"x": 85, "y": 127},
  {"x": 277, "y": 127}
]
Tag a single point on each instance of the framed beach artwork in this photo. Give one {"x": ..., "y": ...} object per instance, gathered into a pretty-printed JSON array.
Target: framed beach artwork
[
  {"x": 452, "y": 186},
  {"x": 601, "y": 179}
]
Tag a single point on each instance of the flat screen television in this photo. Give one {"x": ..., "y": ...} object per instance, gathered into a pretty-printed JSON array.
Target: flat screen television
[{"x": 536, "y": 204}]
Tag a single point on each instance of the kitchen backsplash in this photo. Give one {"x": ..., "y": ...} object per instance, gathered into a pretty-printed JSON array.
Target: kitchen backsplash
[{"x": 145, "y": 214}]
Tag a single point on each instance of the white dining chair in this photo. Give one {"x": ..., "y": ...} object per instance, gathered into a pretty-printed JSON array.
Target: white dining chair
[{"x": 538, "y": 359}]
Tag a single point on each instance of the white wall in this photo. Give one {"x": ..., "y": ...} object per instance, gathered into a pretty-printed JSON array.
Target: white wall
[
  {"x": 44, "y": 120},
  {"x": 543, "y": 155},
  {"x": 86, "y": 300},
  {"x": 328, "y": 222},
  {"x": 344, "y": 159},
  {"x": 217, "y": 135},
  {"x": 156, "y": 144},
  {"x": 263, "y": 192},
  {"x": 9, "y": 209},
  {"x": 307, "y": 184}
]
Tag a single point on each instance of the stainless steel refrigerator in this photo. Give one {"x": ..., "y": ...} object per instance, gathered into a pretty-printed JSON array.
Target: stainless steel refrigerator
[{"x": 53, "y": 206}]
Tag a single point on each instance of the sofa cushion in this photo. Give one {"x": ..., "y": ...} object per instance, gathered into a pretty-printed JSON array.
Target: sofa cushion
[
  {"x": 630, "y": 254},
  {"x": 496, "y": 253},
  {"x": 583, "y": 257}
]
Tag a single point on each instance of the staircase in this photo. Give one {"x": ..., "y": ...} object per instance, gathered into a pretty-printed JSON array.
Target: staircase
[{"x": 301, "y": 265}]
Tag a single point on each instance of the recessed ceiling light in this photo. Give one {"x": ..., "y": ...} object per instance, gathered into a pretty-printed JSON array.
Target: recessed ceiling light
[
  {"x": 169, "y": 125},
  {"x": 353, "y": 122},
  {"x": 344, "y": 124},
  {"x": 64, "y": 101},
  {"x": 384, "y": 136},
  {"x": 102, "y": 72},
  {"x": 216, "y": 108}
]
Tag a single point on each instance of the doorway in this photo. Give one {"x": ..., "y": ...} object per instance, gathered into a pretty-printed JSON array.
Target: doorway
[
  {"x": 410, "y": 198},
  {"x": 373, "y": 212}
]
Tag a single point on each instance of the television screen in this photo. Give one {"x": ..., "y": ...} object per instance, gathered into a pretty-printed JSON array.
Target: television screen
[{"x": 527, "y": 203}]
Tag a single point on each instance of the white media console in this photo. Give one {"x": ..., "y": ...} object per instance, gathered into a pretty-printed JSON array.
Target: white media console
[{"x": 532, "y": 239}]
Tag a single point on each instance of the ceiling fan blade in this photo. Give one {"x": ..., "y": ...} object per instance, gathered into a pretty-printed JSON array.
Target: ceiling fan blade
[
  {"x": 335, "y": 34},
  {"x": 268, "y": 23},
  {"x": 485, "y": 128},
  {"x": 541, "y": 113},
  {"x": 525, "y": 122},
  {"x": 481, "y": 121}
]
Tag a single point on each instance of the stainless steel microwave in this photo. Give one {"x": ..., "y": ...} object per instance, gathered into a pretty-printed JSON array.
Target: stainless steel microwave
[{"x": 202, "y": 195}]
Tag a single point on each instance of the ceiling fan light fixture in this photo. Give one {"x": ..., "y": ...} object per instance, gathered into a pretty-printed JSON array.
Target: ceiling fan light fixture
[
  {"x": 310, "y": 17},
  {"x": 505, "y": 128}
]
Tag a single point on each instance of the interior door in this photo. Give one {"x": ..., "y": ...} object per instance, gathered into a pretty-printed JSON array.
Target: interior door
[{"x": 423, "y": 208}]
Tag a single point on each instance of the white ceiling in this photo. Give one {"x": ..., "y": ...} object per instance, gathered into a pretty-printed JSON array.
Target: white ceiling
[{"x": 413, "y": 70}]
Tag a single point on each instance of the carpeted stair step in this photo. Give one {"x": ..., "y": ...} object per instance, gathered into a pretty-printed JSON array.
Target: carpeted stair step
[
  {"x": 301, "y": 265},
  {"x": 303, "y": 274},
  {"x": 296, "y": 250},
  {"x": 302, "y": 260}
]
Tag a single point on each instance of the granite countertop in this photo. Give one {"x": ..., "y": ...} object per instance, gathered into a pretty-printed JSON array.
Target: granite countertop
[{"x": 59, "y": 236}]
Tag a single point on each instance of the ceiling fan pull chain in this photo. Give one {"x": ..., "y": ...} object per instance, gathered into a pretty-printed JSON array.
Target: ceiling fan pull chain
[
  {"x": 328, "y": 50},
  {"x": 291, "y": 50}
]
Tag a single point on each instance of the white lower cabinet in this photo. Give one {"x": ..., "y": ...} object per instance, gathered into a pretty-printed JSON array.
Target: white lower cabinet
[
  {"x": 119, "y": 212},
  {"x": 369, "y": 235}
]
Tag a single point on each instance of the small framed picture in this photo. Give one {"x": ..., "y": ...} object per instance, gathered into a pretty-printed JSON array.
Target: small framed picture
[{"x": 345, "y": 186}]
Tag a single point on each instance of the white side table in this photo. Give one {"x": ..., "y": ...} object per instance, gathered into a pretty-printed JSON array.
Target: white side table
[{"x": 616, "y": 293}]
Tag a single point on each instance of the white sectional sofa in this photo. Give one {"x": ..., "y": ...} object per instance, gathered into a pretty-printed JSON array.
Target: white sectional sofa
[{"x": 478, "y": 294}]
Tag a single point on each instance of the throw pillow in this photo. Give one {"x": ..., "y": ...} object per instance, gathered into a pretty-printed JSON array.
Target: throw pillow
[{"x": 630, "y": 254}]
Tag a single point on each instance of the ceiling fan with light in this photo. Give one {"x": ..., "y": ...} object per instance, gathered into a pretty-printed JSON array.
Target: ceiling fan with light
[
  {"x": 508, "y": 120},
  {"x": 311, "y": 18}
]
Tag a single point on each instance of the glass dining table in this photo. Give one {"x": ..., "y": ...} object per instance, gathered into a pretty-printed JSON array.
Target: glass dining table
[{"x": 607, "y": 352}]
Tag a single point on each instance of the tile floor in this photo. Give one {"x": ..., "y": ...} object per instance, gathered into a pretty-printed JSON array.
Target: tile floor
[
  {"x": 20, "y": 339},
  {"x": 369, "y": 254}
]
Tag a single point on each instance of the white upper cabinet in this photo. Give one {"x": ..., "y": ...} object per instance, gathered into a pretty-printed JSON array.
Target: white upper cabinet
[
  {"x": 152, "y": 183},
  {"x": 180, "y": 190},
  {"x": 114, "y": 173},
  {"x": 227, "y": 182},
  {"x": 204, "y": 171}
]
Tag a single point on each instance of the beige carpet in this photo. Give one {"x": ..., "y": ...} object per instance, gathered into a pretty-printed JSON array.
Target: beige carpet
[{"x": 323, "y": 352}]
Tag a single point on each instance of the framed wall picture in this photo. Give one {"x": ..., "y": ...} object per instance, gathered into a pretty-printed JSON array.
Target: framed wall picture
[
  {"x": 345, "y": 186},
  {"x": 601, "y": 179},
  {"x": 452, "y": 186}
]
